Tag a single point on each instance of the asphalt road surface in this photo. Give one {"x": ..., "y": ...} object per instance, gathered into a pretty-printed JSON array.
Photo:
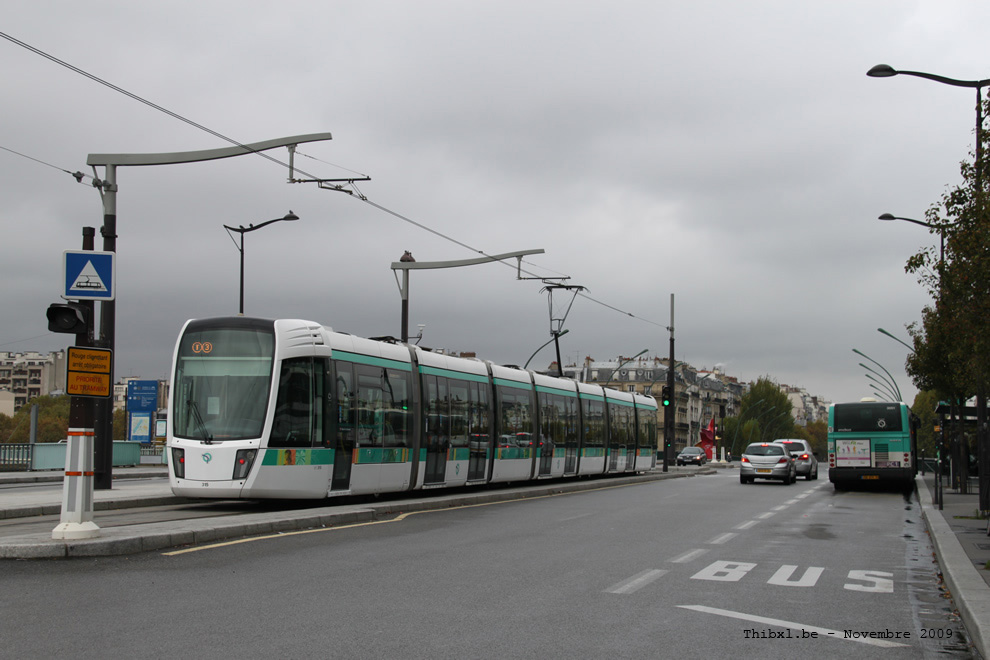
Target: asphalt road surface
[{"x": 697, "y": 567}]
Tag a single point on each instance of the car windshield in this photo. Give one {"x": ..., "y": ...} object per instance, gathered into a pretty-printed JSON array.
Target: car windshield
[
  {"x": 793, "y": 446},
  {"x": 691, "y": 450},
  {"x": 764, "y": 450}
]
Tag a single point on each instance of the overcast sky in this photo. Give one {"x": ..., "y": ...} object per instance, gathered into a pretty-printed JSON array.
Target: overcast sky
[{"x": 732, "y": 153}]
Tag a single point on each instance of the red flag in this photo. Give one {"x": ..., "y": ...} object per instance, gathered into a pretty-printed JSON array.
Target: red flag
[{"x": 708, "y": 439}]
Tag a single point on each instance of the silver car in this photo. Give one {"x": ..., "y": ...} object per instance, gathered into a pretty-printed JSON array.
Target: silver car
[
  {"x": 766, "y": 460},
  {"x": 804, "y": 459}
]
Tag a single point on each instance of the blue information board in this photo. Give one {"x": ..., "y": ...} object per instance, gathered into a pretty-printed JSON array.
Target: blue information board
[{"x": 142, "y": 396}]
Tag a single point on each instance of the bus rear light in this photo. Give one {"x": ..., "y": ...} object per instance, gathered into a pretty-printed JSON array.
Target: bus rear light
[
  {"x": 179, "y": 462},
  {"x": 243, "y": 462}
]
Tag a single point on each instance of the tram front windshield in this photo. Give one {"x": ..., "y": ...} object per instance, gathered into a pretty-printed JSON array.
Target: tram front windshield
[{"x": 222, "y": 378}]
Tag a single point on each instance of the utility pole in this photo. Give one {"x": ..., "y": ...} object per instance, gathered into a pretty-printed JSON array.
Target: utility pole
[{"x": 671, "y": 411}]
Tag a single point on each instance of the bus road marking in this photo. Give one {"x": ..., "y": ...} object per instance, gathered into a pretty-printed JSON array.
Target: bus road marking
[
  {"x": 780, "y": 623},
  {"x": 636, "y": 582}
]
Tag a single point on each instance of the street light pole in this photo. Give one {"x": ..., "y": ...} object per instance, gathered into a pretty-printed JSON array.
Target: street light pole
[
  {"x": 243, "y": 230},
  {"x": 896, "y": 389},
  {"x": 622, "y": 364}
]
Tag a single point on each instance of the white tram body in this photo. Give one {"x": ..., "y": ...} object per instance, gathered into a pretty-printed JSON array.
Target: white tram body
[{"x": 290, "y": 409}]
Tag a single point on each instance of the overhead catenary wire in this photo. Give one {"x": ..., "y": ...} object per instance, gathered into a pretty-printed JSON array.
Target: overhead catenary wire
[{"x": 355, "y": 193}]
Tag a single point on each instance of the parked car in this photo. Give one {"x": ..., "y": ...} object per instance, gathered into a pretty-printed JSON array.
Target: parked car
[
  {"x": 692, "y": 456},
  {"x": 804, "y": 459},
  {"x": 766, "y": 460}
]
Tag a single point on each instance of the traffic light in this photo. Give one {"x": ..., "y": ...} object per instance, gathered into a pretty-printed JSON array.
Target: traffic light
[
  {"x": 665, "y": 397},
  {"x": 71, "y": 318}
]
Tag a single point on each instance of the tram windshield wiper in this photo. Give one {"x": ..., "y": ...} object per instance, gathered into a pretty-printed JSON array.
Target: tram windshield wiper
[{"x": 194, "y": 407}]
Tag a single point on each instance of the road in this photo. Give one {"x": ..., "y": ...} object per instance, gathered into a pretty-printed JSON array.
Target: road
[{"x": 687, "y": 567}]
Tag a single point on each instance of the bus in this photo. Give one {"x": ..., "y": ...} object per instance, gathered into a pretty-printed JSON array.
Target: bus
[{"x": 872, "y": 442}]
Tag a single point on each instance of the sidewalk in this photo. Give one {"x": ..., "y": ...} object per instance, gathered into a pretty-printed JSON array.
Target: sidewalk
[{"x": 963, "y": 549}]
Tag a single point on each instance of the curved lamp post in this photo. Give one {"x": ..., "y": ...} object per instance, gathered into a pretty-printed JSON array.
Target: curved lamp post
[
  {"x": 240, "y": 248},
  {"x": 886, "y": 386},
  {"x": 887, "y": 71},
  {"x": 897, "y": 390},
  {"x": 622, "y": 364},
  {"x": 884, "y": 332}
]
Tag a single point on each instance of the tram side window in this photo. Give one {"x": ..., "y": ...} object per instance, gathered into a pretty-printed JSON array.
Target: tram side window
[
  {"x": 438, "y": 410},
  {"x": 459, "y": 412},
  {"x": 398, "y": 385},
  {"x": 479, "y": 414},
  {"x": 344, "y": 389},
  {"x": 647, "y": 427},
  {"x": 382, "y": 406},
  {"x": 594, "y": 423},
  {"x": 569, "y": 419},
  {"x": 297, "y": 420},
  {"x": 516, "y": 417},
  {"x": 553, "y": 427}
]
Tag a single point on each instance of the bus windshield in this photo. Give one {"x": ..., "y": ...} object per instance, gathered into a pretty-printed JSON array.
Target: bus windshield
[
  {"x": 867, "y": 418},
  {"x": 221, "y": 382}
]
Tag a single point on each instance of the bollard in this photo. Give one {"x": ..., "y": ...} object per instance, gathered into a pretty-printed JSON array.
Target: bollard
[{"x": 77, "y": 489}]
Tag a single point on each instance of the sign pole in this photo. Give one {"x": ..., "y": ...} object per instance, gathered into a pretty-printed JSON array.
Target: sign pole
[{"x": 76, "y": 520}]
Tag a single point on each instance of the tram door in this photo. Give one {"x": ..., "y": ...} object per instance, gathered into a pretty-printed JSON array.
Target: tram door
[
  {"x": 346, "y": 418},
  {"x": 437, "y": 429},
  {"x": 549, "y": 425},
  {"x": 480, "y": 442}
]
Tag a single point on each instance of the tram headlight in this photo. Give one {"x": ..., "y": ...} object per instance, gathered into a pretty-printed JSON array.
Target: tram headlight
[
  {"x": 243, "y": 462},
  {"x": 179, "y": 462}
]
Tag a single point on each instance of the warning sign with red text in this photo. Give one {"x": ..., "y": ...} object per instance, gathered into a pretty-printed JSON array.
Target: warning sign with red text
[{"x": 89, "y": 372}]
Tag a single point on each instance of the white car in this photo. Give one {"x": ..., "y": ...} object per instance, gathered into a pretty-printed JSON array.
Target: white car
[{"x": 804, "y": 458}]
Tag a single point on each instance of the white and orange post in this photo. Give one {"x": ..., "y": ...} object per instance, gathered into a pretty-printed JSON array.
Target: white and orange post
[{"x": 77, "y": 490}]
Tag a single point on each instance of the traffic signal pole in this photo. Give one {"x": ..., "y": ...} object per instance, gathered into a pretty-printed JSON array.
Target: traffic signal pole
[{"x": 670, "y": 410}]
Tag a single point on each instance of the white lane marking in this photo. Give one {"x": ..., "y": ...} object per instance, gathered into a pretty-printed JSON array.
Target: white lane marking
[
  {"x": 783, "y": 576},
  {"x": 724, "y": 571},
  {"x": 747, "y": 524},
  {"x": 837, "y": 634},
  {"x": 764, "y": 516},
  {"x": 722, "y": 538},
  {"x": 688, "y": 556},
  {"x": 636, "y": 582},
  {"x": 779, "y": 508}
]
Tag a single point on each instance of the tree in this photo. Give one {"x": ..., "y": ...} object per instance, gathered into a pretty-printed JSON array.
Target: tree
[
  {"x": 53, "y": 421},
  {"x": 764, "y": 414}
]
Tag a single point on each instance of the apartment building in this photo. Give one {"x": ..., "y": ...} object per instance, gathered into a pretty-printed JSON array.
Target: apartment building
[{"x": 30, "y": 374}]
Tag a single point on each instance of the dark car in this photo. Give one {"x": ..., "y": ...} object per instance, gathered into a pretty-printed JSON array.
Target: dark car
[{"x": 692, "y": 456}]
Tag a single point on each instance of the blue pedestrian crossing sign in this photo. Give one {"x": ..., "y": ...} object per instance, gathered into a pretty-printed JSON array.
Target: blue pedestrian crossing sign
[{"x": 89, "y": 275}]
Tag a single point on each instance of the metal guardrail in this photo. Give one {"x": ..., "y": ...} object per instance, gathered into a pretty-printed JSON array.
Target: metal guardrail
[{"x": 17, "y": 457}]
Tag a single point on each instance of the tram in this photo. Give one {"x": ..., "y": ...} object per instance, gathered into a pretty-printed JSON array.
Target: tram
[{"x": 291, "y": 409}]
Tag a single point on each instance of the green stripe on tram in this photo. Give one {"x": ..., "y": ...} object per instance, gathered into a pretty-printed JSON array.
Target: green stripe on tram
[
  {"x": 371, "y": 360},
  {"x": 449, "y": 373}
]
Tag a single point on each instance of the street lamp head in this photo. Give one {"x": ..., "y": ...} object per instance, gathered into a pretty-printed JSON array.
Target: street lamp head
[
  {"x": 887, "y": 216},
  {"x": 882, "y": 71},
  {"x": 290, "y": 216}
]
